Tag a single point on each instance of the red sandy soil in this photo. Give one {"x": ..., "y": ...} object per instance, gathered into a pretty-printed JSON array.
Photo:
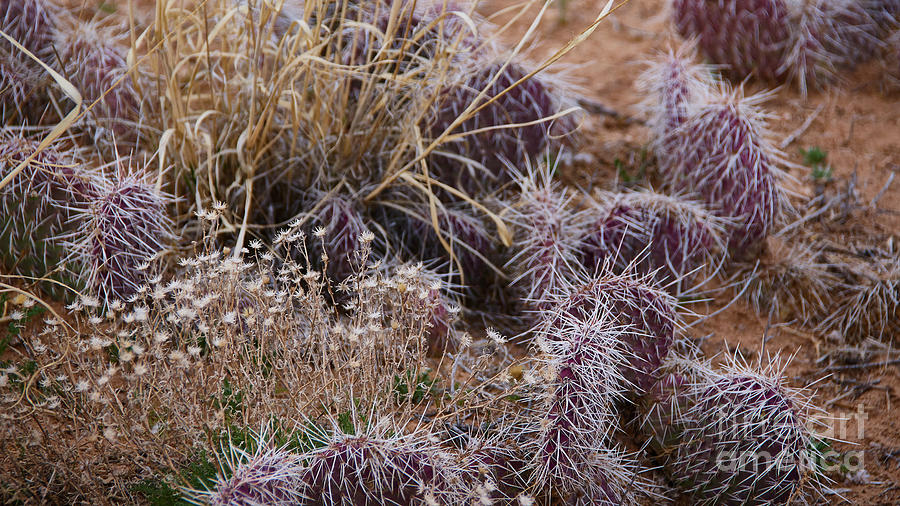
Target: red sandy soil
[{"x": 857, "y": 123}]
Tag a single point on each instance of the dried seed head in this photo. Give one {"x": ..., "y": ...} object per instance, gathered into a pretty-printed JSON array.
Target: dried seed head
[{"x": 342, "y": 226}]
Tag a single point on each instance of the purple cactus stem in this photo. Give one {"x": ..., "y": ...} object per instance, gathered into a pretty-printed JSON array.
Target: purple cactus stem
[
  {"x": 746, "y": 440},
  {"x": 121, "y": 228},
  {"x": 269, "y": 477},
  {"x": 726, "y": 161},
  {"x": 36, "y": 204},
  {"x": 31, "y": 23},
  {"x": 364, "y": 470},
  {"x": 667, "y": 236},
  {"x": 647, "y": 312},
  {"x": 493, "y": 471},
  {"x": 806, "y": 41},
  {"x": 530, "y": 101},
  {"x": 439, "y": 323},
  {"x": 95, "y": 64},
  {"x": 750, "y": 36},
  {"x": 548, "y": 234}
]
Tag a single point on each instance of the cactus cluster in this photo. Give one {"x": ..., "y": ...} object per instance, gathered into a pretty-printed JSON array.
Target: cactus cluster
[
  {"x": 93, "y": 59},
  {"x": 364, "y": 469},
  {"x": 746, "y": 439},
  {"x": 673, "y": 85},
  {"x": 750, "y": 36},
  {"x": 484, "y": 144},
  {"x": 732, "y": 435},
  {"x": 712, "y": 145},
  {"x": 269, "y": 476},
  {"x": 38, "y": 203},
  {"x": 548, "y": 238},
  {"x": 574, "y": 454},
  {"x": 32, "y": 24},
  {"x": 646, "y": 314}
]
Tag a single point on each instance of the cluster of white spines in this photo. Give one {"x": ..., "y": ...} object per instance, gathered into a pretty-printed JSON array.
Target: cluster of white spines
[
  {"x": 805, "y": 41},
  {"x": 724, "y": 158},
  {"x": 120, "y": 229},
  {"x": 548, "y": 236},
  {"x": 268, "y": 476},
  {"x": 669, "y": 236}
]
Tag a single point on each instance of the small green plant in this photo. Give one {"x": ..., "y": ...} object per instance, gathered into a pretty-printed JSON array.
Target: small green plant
[
  {"x": 816, "y": 158},
  {"x": 421, "y": 386}
]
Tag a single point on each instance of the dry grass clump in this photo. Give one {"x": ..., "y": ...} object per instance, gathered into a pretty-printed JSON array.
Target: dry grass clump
[
  {"x": 274, "y": 108},
  {"x": 835, "y": 272}
]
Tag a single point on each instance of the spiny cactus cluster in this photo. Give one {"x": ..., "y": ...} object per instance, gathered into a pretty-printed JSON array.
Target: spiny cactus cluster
[
  {"x": 549, "y": 233},
  {"x": 485, "y": 137},
  {"x": 269, "y": 476},
  {"x": 646, "y": 314},
  {"x": 93, "y": 58},
  {"x": 38, "y": 204},
  {"x": 805, "y": 41},
  {"x": 735, "y": 435},
  {"x": 574, "y": 453},
  {"x": 32, "y": 24},
  {"x": 719, "y": 153},
  {"x": 727, "y": 161}
]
